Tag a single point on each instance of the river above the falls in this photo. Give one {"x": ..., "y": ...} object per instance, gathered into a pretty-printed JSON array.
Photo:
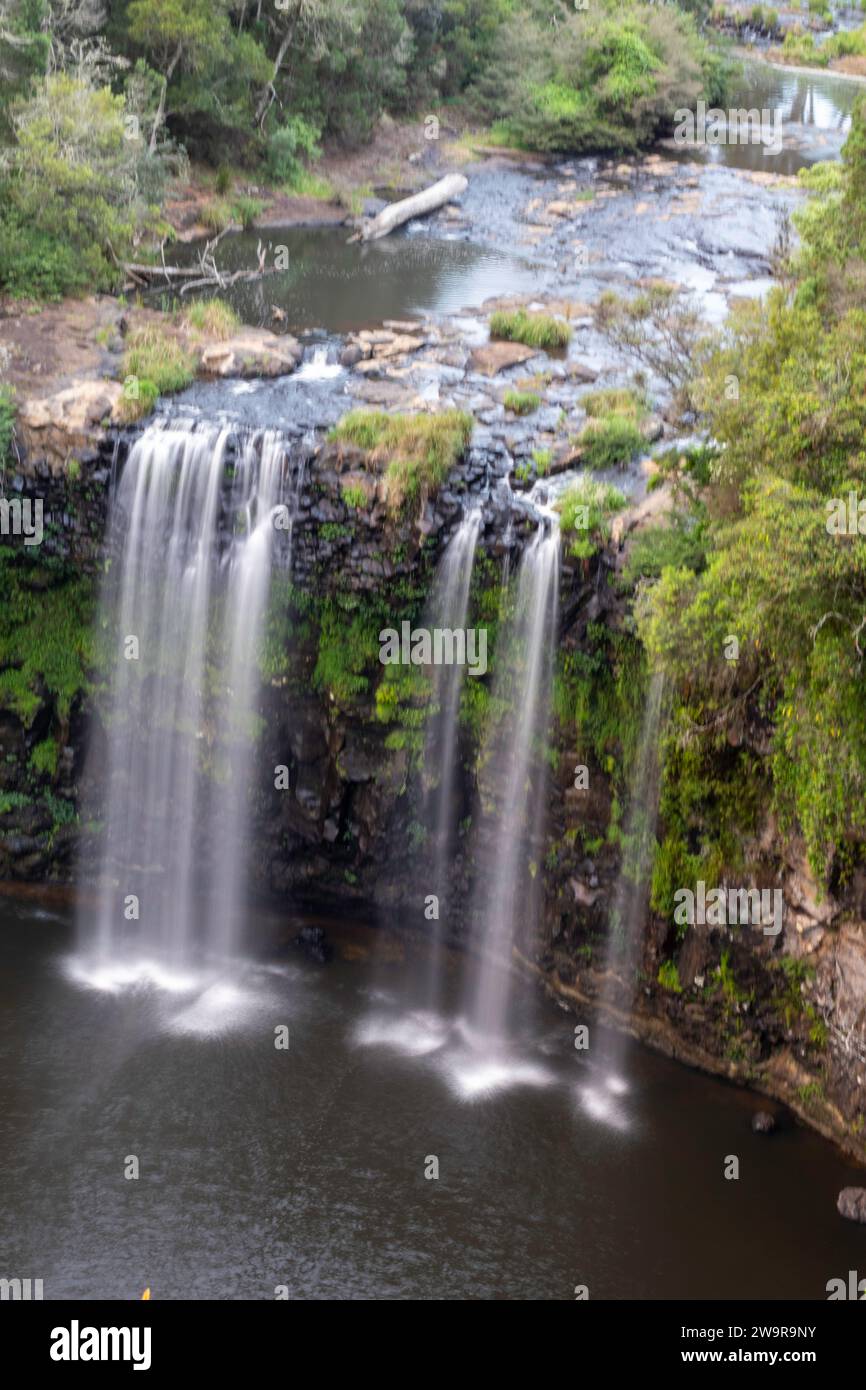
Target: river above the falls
[
  {"x": 305, "y": 1167},
  {"x": 496, "y": 242}
]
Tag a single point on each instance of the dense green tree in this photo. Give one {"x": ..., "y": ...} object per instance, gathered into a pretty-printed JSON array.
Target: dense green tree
[{"x": 785, "y": 554}]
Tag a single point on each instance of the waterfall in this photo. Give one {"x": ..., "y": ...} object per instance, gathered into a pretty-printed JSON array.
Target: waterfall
[
  {"x": 448, "y": 608},
  {"x": 506, "y": 895},
  {"x": 630, "y": 904},
  {"x": 193, "y": 525}
]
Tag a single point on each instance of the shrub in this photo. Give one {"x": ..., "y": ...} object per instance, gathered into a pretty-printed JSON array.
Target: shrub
[
  {"x": 611, "y": 443},
  {"x": 534, "y": 330},
  {"x": 847, "y": 44},
  {"x": 679, "y": 544},
  {"x": 660, "y": 329},
  {"x": 584, "y": 511},
  {"x": 800, "y": 48},
  {"x": 288, "y": 146},
  {"x": 70, "y": 192},
  {"x": 611, "y": 80}
]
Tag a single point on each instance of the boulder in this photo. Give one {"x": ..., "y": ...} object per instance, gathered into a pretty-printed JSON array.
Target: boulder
[
  {"x": 253, "y": 352},
  {"x": 851, "y": 1203},
  {"x": 581, "y": 371},
  {"x": 400, "y": 345},
  {"x": 763, "y": 1122},
  {"x": 314, "y": 943},
  {"x": 352, "y": 355},
  {"x": 495, "y": 357},
  {"x": 59, "y": 427},
  {"x": 652, "y": 429}
]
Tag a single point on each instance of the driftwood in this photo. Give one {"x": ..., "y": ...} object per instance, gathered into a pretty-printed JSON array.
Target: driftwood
[
  {"x": 395, "y": 214},
  {"x": 194, "y": 277}
]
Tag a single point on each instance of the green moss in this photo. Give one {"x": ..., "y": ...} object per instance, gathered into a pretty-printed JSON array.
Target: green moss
[
  {"x": 669, "y": 977},
  {"x": 7, "y": 424},
  {"x": 43, "y": 759},
  {"x": 598, "y": 695},
  {"x": 46, "y": 643},
  {"x": 533, "y": 330},
  {"x": 354, "y": 495},
  {"x": 348, "y": 646}
]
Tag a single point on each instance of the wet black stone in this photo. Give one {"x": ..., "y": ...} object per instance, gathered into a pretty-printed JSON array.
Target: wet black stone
[
  {"x": 763, "y": 1122},
  {"x": 314, "y": 943}
]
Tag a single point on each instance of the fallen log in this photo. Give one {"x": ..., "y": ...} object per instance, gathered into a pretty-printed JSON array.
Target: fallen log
[
  {"x": 204, "y": 274},
  {"x": 395, "y": 214}
]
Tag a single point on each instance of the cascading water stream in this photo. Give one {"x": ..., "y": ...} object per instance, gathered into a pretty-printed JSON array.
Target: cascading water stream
[
  {"x": 256, "y": 494},
  {"x": 448, "y": 609},
  {"x": 630, "y": 905},
  {"x": 514, "y": 768},
  {"x": 182, "y": 611}
]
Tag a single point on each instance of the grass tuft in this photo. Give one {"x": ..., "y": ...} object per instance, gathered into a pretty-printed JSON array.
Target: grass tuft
[
  {"x": 213, "y": 317},
  {"x": 534, "y": 330},
  {"x": 521, "y": 402},
  {"x": 417, "y": 452}
]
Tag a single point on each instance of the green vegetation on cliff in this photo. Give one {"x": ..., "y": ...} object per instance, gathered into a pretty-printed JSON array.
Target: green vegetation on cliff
[
  {"x": 415, "y": 453},
  {"x": 46, "y": 641},
  {"x": 761, "y": 624}
]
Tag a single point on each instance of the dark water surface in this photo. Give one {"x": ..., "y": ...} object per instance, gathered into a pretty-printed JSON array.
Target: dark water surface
[
  {"x": 305, "y": 1167},
  {"x": 341, "y": 288},
  {"x": 814, "y": 110}
]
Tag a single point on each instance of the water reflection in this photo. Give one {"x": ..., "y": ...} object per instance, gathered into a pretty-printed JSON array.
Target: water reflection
[
  {"x": 342, "y": 287},
  {"x": 815, "y": 115}
]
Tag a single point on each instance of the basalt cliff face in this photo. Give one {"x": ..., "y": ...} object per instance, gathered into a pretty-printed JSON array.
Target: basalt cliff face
[{"x": 344, "y": 829}]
